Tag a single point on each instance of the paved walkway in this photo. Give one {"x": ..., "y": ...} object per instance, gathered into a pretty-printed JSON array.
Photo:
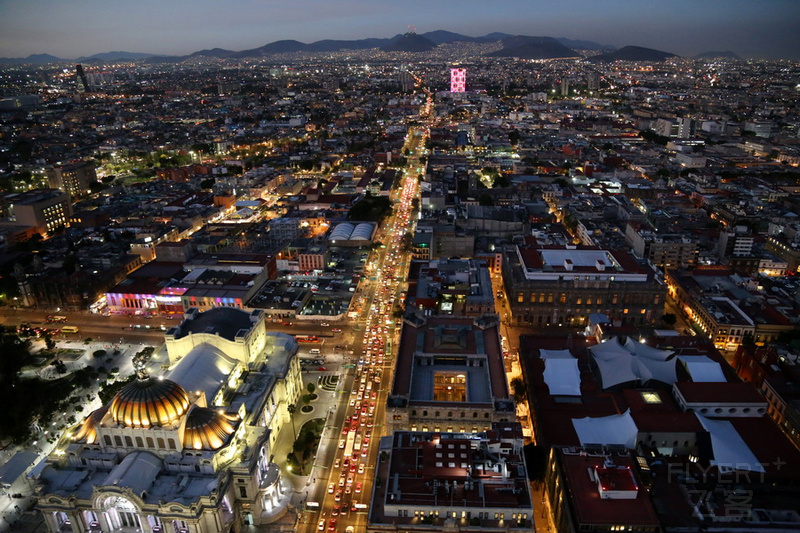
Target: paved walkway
[{"x": 330, "y": 405}]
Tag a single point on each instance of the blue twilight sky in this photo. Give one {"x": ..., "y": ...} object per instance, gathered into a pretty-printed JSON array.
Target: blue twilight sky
[{"x": 72, "y": 28}]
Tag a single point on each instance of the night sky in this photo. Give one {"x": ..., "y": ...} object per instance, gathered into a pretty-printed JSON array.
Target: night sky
[{"x": 73, "y": 28}]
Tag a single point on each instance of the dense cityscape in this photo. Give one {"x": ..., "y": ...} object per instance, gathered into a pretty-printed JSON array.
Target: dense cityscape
[{"x": 424, "y": 284}]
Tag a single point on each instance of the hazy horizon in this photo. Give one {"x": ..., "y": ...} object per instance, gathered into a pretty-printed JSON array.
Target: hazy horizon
[{"x": 766, "y": 29}]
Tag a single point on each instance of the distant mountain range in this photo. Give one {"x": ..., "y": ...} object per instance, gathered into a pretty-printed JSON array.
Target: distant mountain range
[
  {"x": 633, "y": 53},
  {"x": 521, "y": 46},
  {"x": 718, "y": 55},
  {"x": 525, "y": 47}
]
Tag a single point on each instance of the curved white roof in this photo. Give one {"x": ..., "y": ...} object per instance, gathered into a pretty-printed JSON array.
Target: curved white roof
[
  {"x": 342, "y": 232},
  {"x": 362, "y": 232}
]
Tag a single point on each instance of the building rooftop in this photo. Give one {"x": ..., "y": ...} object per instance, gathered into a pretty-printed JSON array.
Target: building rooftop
[
  {"x": 616, "y": 473},
  {"x": 226, "y": 322},
  {"x": 450, "y": 343}
]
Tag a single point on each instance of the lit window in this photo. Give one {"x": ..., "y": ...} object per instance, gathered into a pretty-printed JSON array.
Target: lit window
[{"x": 651, "y": 397}]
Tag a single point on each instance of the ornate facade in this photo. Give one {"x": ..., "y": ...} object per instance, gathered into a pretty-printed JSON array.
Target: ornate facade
[{"x": 188, "y": 451}]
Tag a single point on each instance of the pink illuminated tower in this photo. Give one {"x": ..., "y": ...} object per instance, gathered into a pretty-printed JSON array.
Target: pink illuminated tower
[{"x": 458, "y": 80}]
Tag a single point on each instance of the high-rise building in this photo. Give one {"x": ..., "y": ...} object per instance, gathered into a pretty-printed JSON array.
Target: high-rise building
[
  {"x": 44, "y": 209},
  {"x": 593, "y": 80},
  {"x": 72, "y": 178},
  {"x": 458, "y": 80},
  {"x": 82, "y": 82},
  {"x": 406, "y": 81}
]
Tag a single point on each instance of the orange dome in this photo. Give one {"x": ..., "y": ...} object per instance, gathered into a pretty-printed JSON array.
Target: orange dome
[
  {"x": 149, "y": 402},
  {"x": 88, "y": 430},
  {"x": 206, "y": 429}
]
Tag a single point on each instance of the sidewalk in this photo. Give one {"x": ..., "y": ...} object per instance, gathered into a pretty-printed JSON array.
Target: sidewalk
[{"x": 328, "y": 406}]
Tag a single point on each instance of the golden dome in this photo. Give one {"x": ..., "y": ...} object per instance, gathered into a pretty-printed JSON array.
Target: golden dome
[
  {"x": 207, "y": 429},
  {"x": 149, "y": 402},
  {"x": 88, "y": 430}
]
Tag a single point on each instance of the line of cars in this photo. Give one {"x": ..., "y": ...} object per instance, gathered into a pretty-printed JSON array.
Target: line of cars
[{"x": 357, "y": 430}]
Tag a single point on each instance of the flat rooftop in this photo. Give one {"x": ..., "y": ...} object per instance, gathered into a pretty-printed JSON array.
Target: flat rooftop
[
  {"x": 589, "y": 507},
  {"x": 444, "y": 344}
]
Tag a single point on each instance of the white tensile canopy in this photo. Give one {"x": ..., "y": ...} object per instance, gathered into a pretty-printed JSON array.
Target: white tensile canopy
[
  {"x": 703, "y": 369},
  {"x": 730, "y": 450},
  {"x": 613, "y": 429},
  {"x": 562, "y": 376},
  {"x": 632, "y": 361},
  {"x": 555, "y": 354}
]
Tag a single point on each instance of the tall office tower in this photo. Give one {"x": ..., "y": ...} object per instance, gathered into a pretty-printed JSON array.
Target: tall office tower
[
  {"x": 406, "y": 81},
  {"x": 73, "y": 178},
  {"x": 564, "y": 87},
  {"x": 458, "y": 80},
  {"x": 83, "y": 84},
  {"x": 593, "y": 80}
]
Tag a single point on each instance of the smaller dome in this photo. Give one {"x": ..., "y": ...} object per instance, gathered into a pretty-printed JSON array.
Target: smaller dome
[
  {"x": 149, "y": 402},
  {"x": 88, "y": 430},
  {"x": 207, "y": 429}
]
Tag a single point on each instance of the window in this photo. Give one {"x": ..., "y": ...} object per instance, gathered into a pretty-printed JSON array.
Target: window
[
  {"x": 128, "y": 442},
  {"x": 117, "y": 440},
  {"x": 651, "y": 397},
  {"x": 243, "y": 492}
]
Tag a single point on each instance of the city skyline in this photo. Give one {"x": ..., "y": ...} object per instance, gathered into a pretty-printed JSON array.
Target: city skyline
[{"x": 685, "y": 28}]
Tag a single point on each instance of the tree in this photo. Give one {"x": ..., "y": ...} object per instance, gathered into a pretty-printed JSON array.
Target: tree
[
  {"x": 311, "y": 387},
  {"x": 49, "y": 343},
  {"x": 669, "y": 319},
  {"x": 536, "y": 461},
  {"x": 519, "y": 390},
  {"x": 291, "y": 408}
]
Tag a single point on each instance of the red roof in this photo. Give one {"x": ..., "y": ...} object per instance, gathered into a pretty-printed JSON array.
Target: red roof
[{"x": 590, "y": 508}]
